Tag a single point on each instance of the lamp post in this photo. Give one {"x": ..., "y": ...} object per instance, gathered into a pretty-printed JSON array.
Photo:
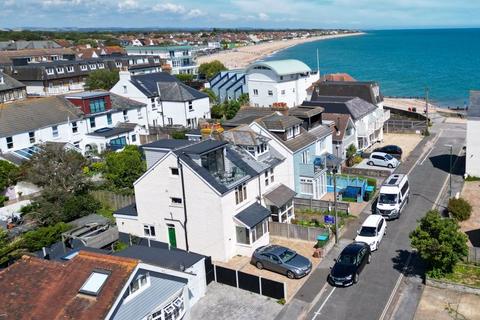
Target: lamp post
[
  {"x": 450, "y": 171},
  {"x": 334, "y": 171}
]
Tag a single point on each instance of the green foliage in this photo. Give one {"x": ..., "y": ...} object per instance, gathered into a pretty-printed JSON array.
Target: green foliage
[
  {"x": 106, "y": 212},
  {"x": 180, "y": 135},
  {"x": 43, "y": 237},
  {"x": 79, "y": 206},
  {"x": 185, "y": 77},
  {"x": 226, "y": 110},
  {"x": 3, "y": 199},
  {"x": 439, "y": 242},
  {"x": 101, "y": 79},
  {"x": 9, "y": 174},
  {"x": 216, "y": 112},
  {"x": 119, "y": 246},
  {"x": 123, "y": 168},
  {"x": 211, "y": 95},
  {"x": 357, "y": 159},
  {"x": 210, "y": 69},
  {"x": 28, "y": 208},
  {"x": 351, "y": 151},
  {"x": 372, "y": 182},
  {"x": 472, "y": 178},
  {"x": 244, "y": 99},
  {"x": 459, "y": 208}
]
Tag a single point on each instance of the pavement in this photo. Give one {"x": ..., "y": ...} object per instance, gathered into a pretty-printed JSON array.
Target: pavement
[
  {"x": 226, "y": 302},
  {"x": 391, "y": 286},
  {"x": 364, "y": 165}
]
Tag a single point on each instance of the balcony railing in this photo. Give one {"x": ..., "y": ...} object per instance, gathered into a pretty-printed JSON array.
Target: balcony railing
[{"x": 229, "y": 177}]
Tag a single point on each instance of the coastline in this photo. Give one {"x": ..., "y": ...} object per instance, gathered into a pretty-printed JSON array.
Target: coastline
[{"x": 243, "y": 56}]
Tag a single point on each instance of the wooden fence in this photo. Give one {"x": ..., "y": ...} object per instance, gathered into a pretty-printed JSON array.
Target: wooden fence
[
  {"x": 320, "y": 205},
  {"x": 473, "y": 255},
  {"x": 293, "y": 231},
  {"x": 113, "y": 200}
]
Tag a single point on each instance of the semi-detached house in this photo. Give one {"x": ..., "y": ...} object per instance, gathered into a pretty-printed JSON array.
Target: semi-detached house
[
  {"x": 206, "y": 197},
  {"x": 169, "y": 101}
]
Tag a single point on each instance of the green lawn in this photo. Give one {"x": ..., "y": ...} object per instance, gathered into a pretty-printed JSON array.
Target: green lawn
[{"x": 465, "y": 274}]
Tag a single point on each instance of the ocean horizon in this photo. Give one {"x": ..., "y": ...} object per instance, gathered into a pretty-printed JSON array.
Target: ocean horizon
[{"x": 403, "y": 62}]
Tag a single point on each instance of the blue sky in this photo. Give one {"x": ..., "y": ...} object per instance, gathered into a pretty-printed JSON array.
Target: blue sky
[{"x": 355, "y": 14}]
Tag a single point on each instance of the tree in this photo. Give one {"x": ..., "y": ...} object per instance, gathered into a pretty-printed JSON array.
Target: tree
[
  {"x": 244, "y": 99},
  {"x": 9, "y": 174},
  {"x": 185, "y": 77},
  {"x": 101, "y": 79},
  {"x": 123, "y": 168},
  {"x": 211, "y": 95},
  {"x": 439, "y": 242},
  {"x": 225, "y": 110},
  {"x": 43, "y": 237},
  {"x": 209, "y": 69}
]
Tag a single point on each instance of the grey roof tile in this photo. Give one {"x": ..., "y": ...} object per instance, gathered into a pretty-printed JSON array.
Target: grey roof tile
[
  {"x": 280, "y": 195},
  {"x": 356, "y": 107},
  {"x": 253, "y": 215}
]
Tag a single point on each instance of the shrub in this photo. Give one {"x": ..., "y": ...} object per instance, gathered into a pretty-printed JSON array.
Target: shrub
[
  {"x": 459, "y": 208},
  {"x": 372, "y": 182},
  {"x": 119, "y": 246},
  {"x": 45, "y": 236},
  {"x": 179, "y": 135},
  {"x": 357, "y": 159},
  {"x": 3, "y": 199},
  {"x": 439, "y": 242},
  {"x": 472, "y": 178}
]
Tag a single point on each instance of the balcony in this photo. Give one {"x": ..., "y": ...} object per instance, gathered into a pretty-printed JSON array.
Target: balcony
[
  {"x": 314, "y": 169},
  {"x": 230, "y": 177}
]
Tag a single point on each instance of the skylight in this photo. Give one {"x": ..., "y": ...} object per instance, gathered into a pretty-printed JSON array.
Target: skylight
[{"x": 94, "y": 283}]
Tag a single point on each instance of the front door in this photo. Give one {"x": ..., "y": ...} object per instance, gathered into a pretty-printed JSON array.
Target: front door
[{"x": 172, "y": 237}]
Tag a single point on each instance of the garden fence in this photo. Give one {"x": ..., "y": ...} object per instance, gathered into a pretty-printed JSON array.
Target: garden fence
[
  {"x": 113, "y": 200},
  {"x": 473, "y": 255},
  {"x": 293, "y": 231},
  {"x": 320, "y": 205}
]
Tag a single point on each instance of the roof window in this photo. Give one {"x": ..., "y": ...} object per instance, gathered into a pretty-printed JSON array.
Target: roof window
[{"x": 94, "y": 283}]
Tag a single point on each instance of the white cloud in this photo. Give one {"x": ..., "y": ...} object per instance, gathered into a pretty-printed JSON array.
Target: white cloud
[
  {"x": 169, "y": 7},
  {"x": 127, "y": 5},
  {"x": 263, "y": 16},
  {"x": 61, "y": 2},
  {"x": 228, "y": 16},
  {"x": 193, "y": 13}
]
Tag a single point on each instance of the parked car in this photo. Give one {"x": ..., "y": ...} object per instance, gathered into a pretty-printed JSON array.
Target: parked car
[
  {"x": 394, "y": 195},
  {"x": 282, "y": 260},
  {"x": 382, "y": 159},
  {"x": 372, "y": 231},
  {"x": 349, "y": 264},
  {"x": 392, "y": 150}
]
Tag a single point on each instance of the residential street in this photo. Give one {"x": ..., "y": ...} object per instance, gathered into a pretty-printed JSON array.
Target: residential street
[{"x": 394, "y": 276}]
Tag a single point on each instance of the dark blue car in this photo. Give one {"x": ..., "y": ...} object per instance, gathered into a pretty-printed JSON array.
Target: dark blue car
[{"x": 349, "y": 264}]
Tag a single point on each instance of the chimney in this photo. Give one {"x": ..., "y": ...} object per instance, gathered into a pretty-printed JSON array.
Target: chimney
[
  {"x": 2, "y": 81},
  {"x": 46, "y": 256},
  {"x": 124, "y": 74}
]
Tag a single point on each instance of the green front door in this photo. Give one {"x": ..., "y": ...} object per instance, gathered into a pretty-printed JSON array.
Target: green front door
[{"x": 172, "y": 238}]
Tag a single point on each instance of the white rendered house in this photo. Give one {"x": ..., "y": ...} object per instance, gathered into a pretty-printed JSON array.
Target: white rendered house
[
  {"x": 473, "y": 132},
  {"x": 169, "y": 101},
  {"x": 279, "y": 82},
  {"x": 204, "y": 197}
]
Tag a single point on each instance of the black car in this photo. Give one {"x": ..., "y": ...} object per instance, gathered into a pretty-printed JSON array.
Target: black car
[
  {"x": 350, "y": 264},
  {"x": 392, "y": 150}
]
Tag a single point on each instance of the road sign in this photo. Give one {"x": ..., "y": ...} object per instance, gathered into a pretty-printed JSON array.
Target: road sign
[{"x": 329, "y": 219}]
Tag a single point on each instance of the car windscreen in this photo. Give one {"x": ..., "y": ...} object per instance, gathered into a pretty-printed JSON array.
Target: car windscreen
[
  {"x": 388, "y": 157},
  {"x": 387, "y": 198},
  {"x": 368, "y": 232},
  {"x": 287, "y": 255},
  {"x": 346, "y": 259}
]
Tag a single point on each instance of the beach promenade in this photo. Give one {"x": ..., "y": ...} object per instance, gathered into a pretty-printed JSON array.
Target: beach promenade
[{"x": 243, "y": 56}]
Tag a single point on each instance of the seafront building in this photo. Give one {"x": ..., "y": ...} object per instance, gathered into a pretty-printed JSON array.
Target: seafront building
[
  {"x": 182, "y": 59},
  {"x": 279, "y": 82},
  {"x": 472, "y": 167},
  {"x": 169, "y": 101},
  {"x": 228, "y": 85}
]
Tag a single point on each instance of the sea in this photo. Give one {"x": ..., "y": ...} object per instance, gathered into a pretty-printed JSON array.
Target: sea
[{"x": 404, "y": 62}]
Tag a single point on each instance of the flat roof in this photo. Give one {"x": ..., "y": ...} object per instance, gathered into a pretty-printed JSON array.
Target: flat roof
[
  {"x": 87, "y": 94},
  {"x": 110, "y": 132}
]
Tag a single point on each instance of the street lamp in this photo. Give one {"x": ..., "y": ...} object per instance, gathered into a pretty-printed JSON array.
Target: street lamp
[
  {"x": 334, "y": 171},
  {"x": 450, "y": 171}
]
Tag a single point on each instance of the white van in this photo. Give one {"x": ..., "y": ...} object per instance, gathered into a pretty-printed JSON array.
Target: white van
[
  {"x": 382, "y": 159},
  {"x": 394, "y": 195}
]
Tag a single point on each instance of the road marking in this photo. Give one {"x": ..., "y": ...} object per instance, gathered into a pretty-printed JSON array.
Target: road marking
[
  {"x": 323, "y": 304},
  {"x": 434, "y": 141}
]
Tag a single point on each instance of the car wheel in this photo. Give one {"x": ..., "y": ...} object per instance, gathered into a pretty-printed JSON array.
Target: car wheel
[
  {"x": 290, "y": 275},
  {"x": 369, "y": 259},
  {"x": 355, "y": 278},
  {"x": 259, "y": 265},
  {"x": 370, "y": 163},
  {"x": 390, "y": 166}
]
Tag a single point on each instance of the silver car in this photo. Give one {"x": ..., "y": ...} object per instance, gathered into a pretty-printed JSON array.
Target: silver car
[{"x": 281, "y": 260}]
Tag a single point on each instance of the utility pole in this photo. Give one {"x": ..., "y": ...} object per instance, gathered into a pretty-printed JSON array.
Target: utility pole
[
  {"x": 451, "y": 165},
  {"x": 426, "y": 108},
  {"x": 335, "y": 203}
]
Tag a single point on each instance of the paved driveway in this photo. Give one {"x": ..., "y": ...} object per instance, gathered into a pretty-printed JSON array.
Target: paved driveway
[
  {"x": 364, "y": 165},
  {"x": 225, "y": 302}
]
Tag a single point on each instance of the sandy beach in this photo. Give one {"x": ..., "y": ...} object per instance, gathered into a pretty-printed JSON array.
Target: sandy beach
[{"x": 243, "y": 56}]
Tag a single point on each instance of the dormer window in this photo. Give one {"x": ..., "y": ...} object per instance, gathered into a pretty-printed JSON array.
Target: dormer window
[
  {"x": 49, "y": 71},
  {"x": 118, "y": 64},
  {"x": 289, "y": 133},
  {"x": 69, "y": 69},
  {"x": 93, "y": 67},
  {"x": 101, "y": 66},
  {"x": 139, "y": 283},
  {"x": 297, "y": 130},
  {"x": 60, "y": 70},
  {"x": 84, "y": 67}
]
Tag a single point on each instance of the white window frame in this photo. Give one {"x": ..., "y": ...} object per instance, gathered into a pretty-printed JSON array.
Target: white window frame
[
  {"x": 255, "y": 92},
  {"x": 147, "y": 231},
  {"x": 241, "y": 193},
  {"x": 55, "y": 131},
  {"x": 304, "y": 183},
  {"x": 270, "y": 92},
  {"x": 83, "y": 67},
  {"x": 50, "y": 71}
]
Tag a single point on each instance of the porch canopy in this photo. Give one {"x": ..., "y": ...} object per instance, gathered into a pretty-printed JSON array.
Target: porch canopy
[
  {"x": 280, "y": 195},
  {"x": 332, "y": 160},
  {"x": 253, "y": 215}
]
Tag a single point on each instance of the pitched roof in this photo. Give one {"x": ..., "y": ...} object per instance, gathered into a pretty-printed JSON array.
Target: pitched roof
[
  {"x": 168, "y": 144},
  {"x": 305, "y": 111},
  {"x": 280, "y": 195},
  {"x": 244, "y": 136},
  {"x": 363, "y": 90},
  {"x": 339, "y": 77},
  {"x": 280, "y": 122},
  {"x": 171, "y": 89},
  {"x": 43, "y": 289},
  {"x": 340, "y": 124},
  {"x": 247, "y": 115},
  {"x": 253, "y": 215},
  {"x": 9, "y": 83},
  {"x": 115, "y": 131},
  {"x": 474, "y": 108},
  {"x": 356, "y": 107},
  {"x": 282, "y": 67},
  {"x": 31, "y": 114},
  {"x": 130, "y": 210}
]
